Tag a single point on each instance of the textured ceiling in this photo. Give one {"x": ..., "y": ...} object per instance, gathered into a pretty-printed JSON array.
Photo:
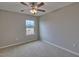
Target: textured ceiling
[{"x": 17, "y": 7}]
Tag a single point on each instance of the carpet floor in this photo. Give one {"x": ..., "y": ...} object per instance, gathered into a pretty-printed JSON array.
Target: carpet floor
[{"x": 34, "y": 49}]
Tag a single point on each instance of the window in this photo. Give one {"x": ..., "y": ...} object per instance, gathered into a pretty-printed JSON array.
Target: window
[{"x": 30, "y": 27}]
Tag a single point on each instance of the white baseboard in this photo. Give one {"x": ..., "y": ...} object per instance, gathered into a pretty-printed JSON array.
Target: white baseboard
[
  {"x": 16, "y": 44},
  {"x": 75, "y": 53},
  {"x": 11, "y": 45}
]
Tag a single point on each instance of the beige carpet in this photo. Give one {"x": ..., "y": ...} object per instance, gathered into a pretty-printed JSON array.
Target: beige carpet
[{"x": 34, "y": 49}]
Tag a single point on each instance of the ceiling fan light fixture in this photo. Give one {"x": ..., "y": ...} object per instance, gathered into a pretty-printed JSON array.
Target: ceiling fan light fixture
[
  {"x": 33, "y": 11},
  {"x": 34, "y": 7}
]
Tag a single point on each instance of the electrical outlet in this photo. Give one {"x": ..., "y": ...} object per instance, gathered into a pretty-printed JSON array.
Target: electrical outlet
[
  {"x": 74, "y": 45},
  {"x": 16, "y": 38}
]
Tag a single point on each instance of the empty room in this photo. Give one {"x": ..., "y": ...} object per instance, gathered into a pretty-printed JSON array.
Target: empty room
[{"x": 39, "y": 29}]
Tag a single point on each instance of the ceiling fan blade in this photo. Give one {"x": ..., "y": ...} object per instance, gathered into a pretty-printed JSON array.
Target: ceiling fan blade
[
  {"x": 40, "y": 10},
  {"x": 41, "y": 4},
  {"x": 23, "y": 3}
]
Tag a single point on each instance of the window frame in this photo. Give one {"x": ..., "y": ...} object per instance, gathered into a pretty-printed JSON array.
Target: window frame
[{"x": 28, "y": 32}]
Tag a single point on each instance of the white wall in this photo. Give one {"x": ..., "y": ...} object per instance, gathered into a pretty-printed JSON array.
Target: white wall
[
  {"x": 12, "y": 28},
  {"x": 61, "y": 27}
]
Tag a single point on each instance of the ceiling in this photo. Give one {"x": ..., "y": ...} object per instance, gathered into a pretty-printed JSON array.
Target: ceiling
[{"x": 17, "y": 7}]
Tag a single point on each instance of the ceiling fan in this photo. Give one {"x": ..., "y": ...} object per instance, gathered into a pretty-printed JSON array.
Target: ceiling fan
[{"x": 34, "y": 6}]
